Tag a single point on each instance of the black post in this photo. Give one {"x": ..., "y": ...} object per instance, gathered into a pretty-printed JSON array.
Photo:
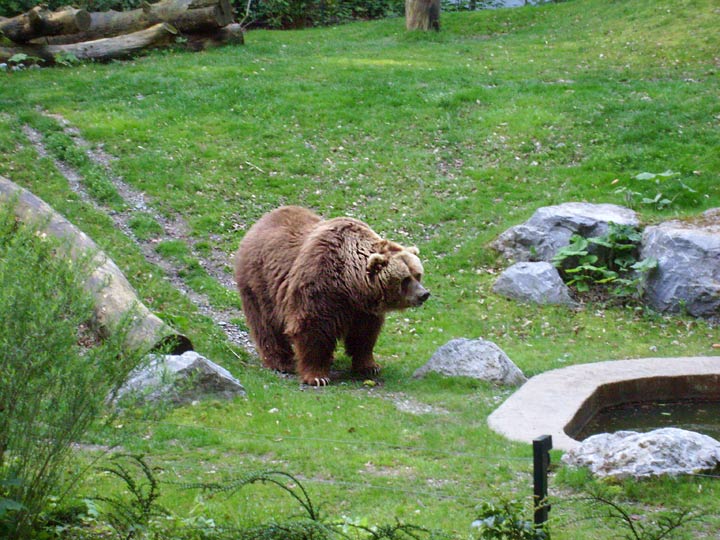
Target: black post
[{"x": 541, "y": 462}]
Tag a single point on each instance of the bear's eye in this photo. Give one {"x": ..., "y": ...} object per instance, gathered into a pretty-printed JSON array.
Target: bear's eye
[
  {"x": 406, "y": 283},
  {"x": 418, "y": 277}
]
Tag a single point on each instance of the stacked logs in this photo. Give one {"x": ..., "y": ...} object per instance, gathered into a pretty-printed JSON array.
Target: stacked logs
[{"x": 46, "y": 36}]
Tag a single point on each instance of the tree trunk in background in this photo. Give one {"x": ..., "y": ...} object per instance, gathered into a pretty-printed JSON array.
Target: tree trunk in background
[
  {"x": 40, "y": 21},
  {"x": 422, "y": 15}
]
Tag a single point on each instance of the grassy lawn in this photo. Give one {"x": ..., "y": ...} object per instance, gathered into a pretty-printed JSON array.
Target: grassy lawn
[{"x": 439, "y": 140}]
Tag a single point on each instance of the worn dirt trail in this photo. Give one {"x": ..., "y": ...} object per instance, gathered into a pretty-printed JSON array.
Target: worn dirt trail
[{"x": 174, "y": 228}]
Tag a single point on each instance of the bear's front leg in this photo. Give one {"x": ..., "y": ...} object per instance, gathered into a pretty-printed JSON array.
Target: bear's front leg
[
  {"x": 360, "y": 342},
  {"x": 314, "y": 353}
]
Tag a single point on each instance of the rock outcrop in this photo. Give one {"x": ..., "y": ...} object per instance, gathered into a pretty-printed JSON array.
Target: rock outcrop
[
  {"x": 688, "y": 271},
  {"x": 551, "y": 227}
]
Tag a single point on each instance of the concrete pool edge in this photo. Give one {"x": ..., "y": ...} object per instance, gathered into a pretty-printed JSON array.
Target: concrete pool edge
[{"x": 549, "y": 402}]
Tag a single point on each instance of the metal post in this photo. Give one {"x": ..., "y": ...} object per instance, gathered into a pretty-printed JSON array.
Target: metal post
[{"x": 541, "y": 462}]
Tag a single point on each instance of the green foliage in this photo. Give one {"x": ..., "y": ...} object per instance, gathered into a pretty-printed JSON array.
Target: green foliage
[
  {"x": 65, "y": 58},
  {"x": 659, "y": 191},
  {"x": 10, "y": 8},
  {"x": 305, "y": 13},
  {"x": 51, "y": 386},
  {"x": 609, "y": 261},
  {"x": 506, "y": 522},
  {"x": 604, "y": 504},
  {"x": 130, "y": 516}
]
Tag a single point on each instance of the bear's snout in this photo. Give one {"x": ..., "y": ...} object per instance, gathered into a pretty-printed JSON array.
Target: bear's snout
[{"x": 419, "y": 294}]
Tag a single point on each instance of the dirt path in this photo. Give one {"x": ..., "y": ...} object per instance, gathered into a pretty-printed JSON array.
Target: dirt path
[{"x": 174, "y": 228}]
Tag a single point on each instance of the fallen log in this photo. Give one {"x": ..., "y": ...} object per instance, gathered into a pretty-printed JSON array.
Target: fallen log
[
  {"x": 39, "y": 21},
  {"x": 185, "y": 15},
  {"x": 114, "y": 297},
  {"x": 99, "y": 49},
  {"x": 232, "y": 34}
]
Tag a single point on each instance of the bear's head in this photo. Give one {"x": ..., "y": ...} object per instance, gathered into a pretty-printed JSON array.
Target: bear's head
[{"x": 398, "y": 272}]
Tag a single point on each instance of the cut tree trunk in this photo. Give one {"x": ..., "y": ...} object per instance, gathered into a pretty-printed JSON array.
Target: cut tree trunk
[
  {"x": 232, "y": 34},
  {"x": 184, "y": 15},
  {"x": 99, "y": 49},
  {"x": 422, "y": 14},
  {"x": 40, "y": 21},
  {"x": 115, "y": 299}
]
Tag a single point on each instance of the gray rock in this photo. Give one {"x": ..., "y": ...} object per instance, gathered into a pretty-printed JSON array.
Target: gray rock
[
  {"x": 688, "y": 271},
  {"x": 551, "y": 227},
  {"x": 476, "y": 358},
  {"x": 667, "y": 451},
  {"x": 537, "y": 282},
  {"x": 181, "y": 379}
]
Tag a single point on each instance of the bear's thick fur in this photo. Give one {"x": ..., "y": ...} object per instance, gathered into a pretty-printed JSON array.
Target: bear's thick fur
[{"x": 306, "y": 283}]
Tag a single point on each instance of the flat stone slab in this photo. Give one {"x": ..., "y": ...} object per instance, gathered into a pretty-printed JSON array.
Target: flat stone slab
[{"x": 548, "y": 403}]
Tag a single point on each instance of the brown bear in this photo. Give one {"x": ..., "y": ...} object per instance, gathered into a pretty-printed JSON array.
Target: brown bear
[{"x": 306, "y": 283}]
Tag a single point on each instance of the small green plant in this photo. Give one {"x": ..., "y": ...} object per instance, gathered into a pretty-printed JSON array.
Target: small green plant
[
  {"x": 611, "y": 260},
  {"x": 20, "y": 59},
  {"x": 604, "y": 505},
  {"x": 65, "y": 58},
  {"x": 129, "y": 518},
  {"x": 505, "y": 522},
  {"x": 668, "y": 187}
]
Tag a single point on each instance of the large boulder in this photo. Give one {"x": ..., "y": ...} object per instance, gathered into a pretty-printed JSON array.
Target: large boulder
[
  {"x": 181, "y": 379},
  {"x": 533, "y": 282},
  {"x": 551, "y": 227},
  {"x": 667, "y": 451},
  {"x": 478, "y": 358},
  {"x": 688, "y": 271}
]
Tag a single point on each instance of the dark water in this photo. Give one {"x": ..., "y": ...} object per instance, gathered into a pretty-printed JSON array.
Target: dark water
[{"x": 700, "y": 416}]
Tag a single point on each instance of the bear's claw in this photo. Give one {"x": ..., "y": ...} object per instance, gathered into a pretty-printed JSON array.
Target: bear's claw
[{"x": 318, "y": 381}]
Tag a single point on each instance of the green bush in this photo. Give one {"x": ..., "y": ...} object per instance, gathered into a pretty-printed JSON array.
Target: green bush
[
  {"x": 305, "y": 13},
  {"x": 10, "y": 8},
  {"x": 610, "y": 261},
  {"x": 54, "y": 375}
]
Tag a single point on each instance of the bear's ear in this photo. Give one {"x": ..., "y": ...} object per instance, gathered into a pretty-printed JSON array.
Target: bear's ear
[
  {"x": 387, "y": 246},
  {"x": 413, "y": 250},
  {"x": 376, "y": 262}
]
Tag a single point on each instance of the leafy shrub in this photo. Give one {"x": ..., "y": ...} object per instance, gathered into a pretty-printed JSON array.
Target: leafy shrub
[
  {"x": 305, "y": 13},
  {"x": 505, "y": 522},
  {"x": 52, "y": 386},
  {"x": 10, "y": 8},
  {"x": 659, "y": 191},
  {"x": 611, "y": 261}
]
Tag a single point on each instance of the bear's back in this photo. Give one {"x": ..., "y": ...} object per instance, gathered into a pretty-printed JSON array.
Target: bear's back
[{"x": 270, "y": 247}]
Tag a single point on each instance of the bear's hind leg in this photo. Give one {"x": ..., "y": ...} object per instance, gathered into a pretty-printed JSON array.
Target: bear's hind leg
[
  {"x": 270, "y": 340},
  {"x": 360, "y": 342}
]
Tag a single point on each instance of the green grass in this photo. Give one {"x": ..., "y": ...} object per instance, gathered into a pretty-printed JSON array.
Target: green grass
[{"x": 439, "y": 140}]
